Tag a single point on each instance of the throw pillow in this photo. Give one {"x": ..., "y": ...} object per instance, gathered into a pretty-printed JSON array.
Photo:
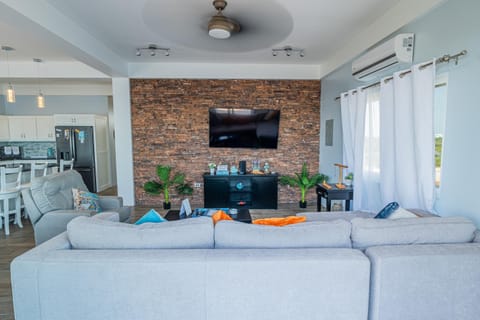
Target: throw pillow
[
  {"x": 84, "y": 200},
  {"x": 387, "y": 210},
  {"x": 220, "y": 215},
  {"x": 280, "y": 222},
  {"x": 151, "y": 216},
  {"x": 401, "y": 213}
]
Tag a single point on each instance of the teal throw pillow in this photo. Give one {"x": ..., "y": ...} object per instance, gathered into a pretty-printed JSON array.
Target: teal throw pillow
[
  {"x": 84, "y": 200},
  {"x": 151, "y": 216},
  {"x": 387, "y": 210}
]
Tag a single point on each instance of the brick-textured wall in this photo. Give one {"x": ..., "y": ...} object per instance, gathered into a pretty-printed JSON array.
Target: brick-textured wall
[{"x": 170, "y": 127}]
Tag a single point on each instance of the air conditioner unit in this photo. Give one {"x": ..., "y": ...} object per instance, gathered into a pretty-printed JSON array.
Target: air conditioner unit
[{"x": 397, "y": 51}]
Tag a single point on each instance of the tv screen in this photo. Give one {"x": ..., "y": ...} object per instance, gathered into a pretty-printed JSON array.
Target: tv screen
[{"x": 244, "y": 128}]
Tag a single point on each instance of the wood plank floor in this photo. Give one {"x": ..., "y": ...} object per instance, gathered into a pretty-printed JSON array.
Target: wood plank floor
[{"x": 21, "y": 240}]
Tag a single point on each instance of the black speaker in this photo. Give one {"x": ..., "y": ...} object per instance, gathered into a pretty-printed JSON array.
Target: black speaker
[{"x": 242, "y": 167}]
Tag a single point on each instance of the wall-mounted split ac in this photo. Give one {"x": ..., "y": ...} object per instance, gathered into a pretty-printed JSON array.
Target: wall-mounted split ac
[{"x": 395, "y": 52}]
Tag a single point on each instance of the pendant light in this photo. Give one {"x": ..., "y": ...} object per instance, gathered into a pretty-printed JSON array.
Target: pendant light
[
  {"x": 40, "y": 96},
  {"x": 10, "y": 90}
]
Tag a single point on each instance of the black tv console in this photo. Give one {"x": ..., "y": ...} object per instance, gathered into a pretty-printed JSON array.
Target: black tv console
[{"x": 241, "y": 191}]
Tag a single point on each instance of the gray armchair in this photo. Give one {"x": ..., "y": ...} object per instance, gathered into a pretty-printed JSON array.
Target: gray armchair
[{"x": 49, "y": 204}]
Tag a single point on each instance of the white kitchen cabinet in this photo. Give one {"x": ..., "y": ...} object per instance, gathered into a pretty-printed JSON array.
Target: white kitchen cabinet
[
  {"x": 45, "y": 128},
  {"x": 74, "y": 119},
  {"x": 22, "y": 128},
  {"x": 4, "y": 129}
]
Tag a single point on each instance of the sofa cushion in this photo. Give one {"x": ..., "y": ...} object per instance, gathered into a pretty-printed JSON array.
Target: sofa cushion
[
  {"x": 87, "y": 233},
  {"x": 335, "y": 215},
  {"x": 318, "y": 234},
  {"x": 377, "y": 232},
  {"x": 54, "y": 192}
]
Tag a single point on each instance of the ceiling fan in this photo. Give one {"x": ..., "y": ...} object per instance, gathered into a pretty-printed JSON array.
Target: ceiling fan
[{"x": 220, "y": 26}]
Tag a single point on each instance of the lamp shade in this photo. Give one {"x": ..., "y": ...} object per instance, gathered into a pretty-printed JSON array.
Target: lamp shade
[
  {"x": 10, "y": 94},
  {"x": 40, "y": 101}
]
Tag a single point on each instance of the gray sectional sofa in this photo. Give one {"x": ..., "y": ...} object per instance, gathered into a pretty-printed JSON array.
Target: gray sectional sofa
[
  {"x": 49, "y": 204},
  {"x": 422, "y": 268}
]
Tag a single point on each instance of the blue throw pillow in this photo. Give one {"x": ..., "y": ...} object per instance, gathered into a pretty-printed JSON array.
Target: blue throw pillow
[
  {"x": 387, "y": 210},
  {"x": 151, "y": 216}
]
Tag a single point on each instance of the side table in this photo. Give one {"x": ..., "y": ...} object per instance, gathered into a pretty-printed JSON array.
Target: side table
[{"x": 333, "y": 194}]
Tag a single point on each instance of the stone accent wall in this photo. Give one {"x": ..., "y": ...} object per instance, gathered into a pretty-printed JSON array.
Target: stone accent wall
[{"x": 170, "y": 127}]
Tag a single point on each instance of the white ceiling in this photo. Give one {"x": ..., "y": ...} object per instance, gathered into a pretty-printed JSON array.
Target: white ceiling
[{"x": 103, "y": 35}]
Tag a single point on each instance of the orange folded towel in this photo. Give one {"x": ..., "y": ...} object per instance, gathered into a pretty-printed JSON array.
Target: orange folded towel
[
  {"x": 220, "y": 215},
  {"x": 279, "y": 222}
]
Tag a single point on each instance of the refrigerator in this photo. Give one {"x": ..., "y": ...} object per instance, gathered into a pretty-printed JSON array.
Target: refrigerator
[{"x": 77, "y": 142}]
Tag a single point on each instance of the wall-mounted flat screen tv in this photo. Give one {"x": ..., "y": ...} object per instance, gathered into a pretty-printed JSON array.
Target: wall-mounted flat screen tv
[{"x": 244, "y": 128}]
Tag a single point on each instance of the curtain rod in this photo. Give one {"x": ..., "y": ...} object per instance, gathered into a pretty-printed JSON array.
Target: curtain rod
[{"x": 445, "y": 58}]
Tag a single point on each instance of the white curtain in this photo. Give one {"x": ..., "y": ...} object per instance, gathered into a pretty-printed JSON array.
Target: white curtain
[
  {"x": 360, "y": 142},
  {"x": 407, "y": 138}
]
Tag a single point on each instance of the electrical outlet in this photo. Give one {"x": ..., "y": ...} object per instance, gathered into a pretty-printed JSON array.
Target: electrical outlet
[{"x": 197, "y": 184}]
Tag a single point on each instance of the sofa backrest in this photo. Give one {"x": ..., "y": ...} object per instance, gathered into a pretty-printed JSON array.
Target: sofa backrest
[
  {"x": 429, "y": 230},
  {"x": 316, "y": 234},
  {"x": 54, "y": 192},
  {"x": 90, "y": 233}
]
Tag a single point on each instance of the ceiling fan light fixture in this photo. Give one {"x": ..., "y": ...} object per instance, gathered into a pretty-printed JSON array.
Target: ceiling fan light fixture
[{"x": 219, "y": 26}]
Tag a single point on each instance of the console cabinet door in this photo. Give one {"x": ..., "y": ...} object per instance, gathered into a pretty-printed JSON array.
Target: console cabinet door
[
  {"x": 264, "y": 192},
  {"x": 216, "y": 193}
]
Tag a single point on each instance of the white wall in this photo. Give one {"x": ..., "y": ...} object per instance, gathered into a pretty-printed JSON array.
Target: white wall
[
  {"x": 450, "y": 28},
  {"x": 27, "y": 105}
]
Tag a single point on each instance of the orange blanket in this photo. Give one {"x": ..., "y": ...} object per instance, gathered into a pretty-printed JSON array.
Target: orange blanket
[{"x": 279, "y": 222}]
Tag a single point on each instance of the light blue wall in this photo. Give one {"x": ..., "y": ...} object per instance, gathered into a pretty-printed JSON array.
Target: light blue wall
[
  {"x": 2, "y": 104},
  {"x": 450, "y": 28},
  {"x": 27, "y": 105}
]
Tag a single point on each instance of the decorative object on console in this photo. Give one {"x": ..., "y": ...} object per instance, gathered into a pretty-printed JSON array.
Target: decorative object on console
[
  {"x": 222, "y": 170},
  {"x": 304, "y": 181},
  {"x": 340, "y": 166},
  {"x": 212, "y": 166},
  {"x": 162, "y": 186},
  {"x": 242, "y": 167},
  {"x": 349, "y": 179}
]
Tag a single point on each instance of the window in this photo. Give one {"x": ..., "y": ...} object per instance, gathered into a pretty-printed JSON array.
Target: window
[{"x": 439, "y": 114}]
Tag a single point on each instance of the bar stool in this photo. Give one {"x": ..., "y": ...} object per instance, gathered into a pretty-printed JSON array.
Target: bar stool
[
  {"x": 10, "y": 181},
  {"x": 66, "y": 163},
  {"x": 38, "y": 167}
]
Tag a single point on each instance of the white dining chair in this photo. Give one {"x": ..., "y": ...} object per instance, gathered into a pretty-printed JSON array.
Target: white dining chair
[
  {"x": 38, "y": 170},
  {"x": 10, "y": 182},
  {"x": 66, "y": 164}
]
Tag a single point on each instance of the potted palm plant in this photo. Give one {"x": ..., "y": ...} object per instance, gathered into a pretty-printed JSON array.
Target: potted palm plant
[
  {"x": 164, "y": 183},
  {"x": 304, "y": 181}
]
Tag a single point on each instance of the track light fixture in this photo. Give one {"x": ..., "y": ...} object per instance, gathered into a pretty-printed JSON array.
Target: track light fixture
[
  {"x": 152, "y": 49},
  {"x": 288, "y": 50}
]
